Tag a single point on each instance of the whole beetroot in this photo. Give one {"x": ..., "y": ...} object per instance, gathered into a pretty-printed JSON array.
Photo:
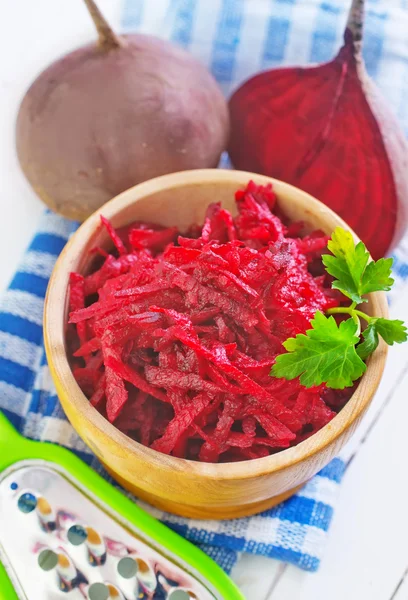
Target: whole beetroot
[{"x": 110, "y": 115}]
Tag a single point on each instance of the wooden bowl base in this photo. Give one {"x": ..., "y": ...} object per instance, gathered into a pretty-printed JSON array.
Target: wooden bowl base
[{"x": 200, "y": 512}]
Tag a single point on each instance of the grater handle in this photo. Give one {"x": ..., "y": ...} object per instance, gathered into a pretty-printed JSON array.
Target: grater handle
[
  {"x": 13, "y": 446},
  {"x": 7, "y": 591},
  {"x": 7, "y": 431}
]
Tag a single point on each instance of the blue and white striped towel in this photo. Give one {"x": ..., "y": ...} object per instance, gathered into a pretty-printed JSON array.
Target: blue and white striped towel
[{"x": 235, "y": 38}]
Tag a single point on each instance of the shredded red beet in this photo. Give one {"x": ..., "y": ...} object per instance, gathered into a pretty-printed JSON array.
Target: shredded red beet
[{"x": 174, "y": 336}]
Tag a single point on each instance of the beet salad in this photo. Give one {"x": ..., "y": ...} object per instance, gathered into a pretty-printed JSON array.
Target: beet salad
[{"x": 173, "y": 335}]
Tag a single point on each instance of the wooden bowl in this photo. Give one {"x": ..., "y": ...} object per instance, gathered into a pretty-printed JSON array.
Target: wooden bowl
[{"x": 180, "y": 486}]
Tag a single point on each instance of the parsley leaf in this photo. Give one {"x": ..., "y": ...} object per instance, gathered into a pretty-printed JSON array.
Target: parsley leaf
[
  {"x": 354, "y": 275},
  {"x": 347, "y": 265},
  {"x": 392, "y": 331},
  {"x": 370, "y": 343},
  {"x": 325, "y": 353},
  {"x": 377, "y": 276}
]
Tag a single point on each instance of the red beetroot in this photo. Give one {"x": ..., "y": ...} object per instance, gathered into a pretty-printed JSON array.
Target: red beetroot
[{"x": 326, "y": 130}]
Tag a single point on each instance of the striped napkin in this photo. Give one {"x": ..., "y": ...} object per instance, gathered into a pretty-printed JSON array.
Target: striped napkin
[{"x": 235, "y": 38}]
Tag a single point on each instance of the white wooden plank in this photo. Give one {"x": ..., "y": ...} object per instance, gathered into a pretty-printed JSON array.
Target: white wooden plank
[
  {"x": 255, "y": 575},
  {"x": 289, "y": 586},
  {"x": 401, "y": 589},
  {"x": 366, "y": 553}
]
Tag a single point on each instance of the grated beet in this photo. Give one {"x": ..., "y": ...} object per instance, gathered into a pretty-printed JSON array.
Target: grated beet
[{"x": 172, "y": 337}]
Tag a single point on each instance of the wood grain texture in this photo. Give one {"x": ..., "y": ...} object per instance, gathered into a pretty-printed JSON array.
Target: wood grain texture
[{"x": 186, "y": 487}]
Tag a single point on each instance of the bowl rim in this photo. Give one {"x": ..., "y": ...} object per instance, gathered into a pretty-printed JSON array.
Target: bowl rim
[{"x": 70, "y": 392}]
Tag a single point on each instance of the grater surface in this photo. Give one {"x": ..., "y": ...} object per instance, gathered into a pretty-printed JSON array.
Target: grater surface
[{"x": 58, "y": 540}]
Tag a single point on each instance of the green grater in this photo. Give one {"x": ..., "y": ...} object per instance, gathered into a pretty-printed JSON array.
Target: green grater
[{"x": 66, "y": 533}]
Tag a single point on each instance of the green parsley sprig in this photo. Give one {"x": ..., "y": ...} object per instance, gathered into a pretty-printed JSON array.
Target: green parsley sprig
[{"x": 334, "y": 353}]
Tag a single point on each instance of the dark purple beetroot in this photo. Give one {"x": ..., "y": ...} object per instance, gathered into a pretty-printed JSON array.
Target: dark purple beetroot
[{"x": 113, "y": 114}]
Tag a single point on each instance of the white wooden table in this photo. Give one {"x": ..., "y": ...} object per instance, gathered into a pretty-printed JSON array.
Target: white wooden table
[{"x": 367, "y": 553}]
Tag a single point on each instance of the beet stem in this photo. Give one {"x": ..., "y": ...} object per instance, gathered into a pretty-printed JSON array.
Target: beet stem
[
  {"x": 107, "y": 37},
  {"x": 355, "y": 22}
]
